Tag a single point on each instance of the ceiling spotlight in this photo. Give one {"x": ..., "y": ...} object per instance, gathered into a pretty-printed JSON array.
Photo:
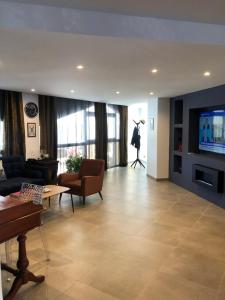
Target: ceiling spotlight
[
  {"x": 72, "y": 91},
  {"x": 207, "y": 74},
  {"x": 117, "y": 92},
  {"x": 80, "y": 67},
  {"x": 154, "y": 71},
  {"x": 151, "y": 93},
  {"x": 33, "y": 90}
]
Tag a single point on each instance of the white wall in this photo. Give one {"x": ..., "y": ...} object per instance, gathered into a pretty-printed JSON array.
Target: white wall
[
  {"x": 152, "y": 138},
  {"x": 158, "y": 139},
  {"x": 32, "y": 143}
]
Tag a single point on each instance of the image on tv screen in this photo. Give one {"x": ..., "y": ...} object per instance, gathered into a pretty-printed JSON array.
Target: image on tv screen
[{"x": 212, "y": 131}]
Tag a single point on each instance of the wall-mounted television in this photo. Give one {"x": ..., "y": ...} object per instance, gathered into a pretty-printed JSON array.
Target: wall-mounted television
[{"x": 212, "y": 131}]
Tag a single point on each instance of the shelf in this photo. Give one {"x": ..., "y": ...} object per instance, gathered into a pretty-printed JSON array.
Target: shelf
[
  {"x": 178, "y": 112},
  {"x": 179, "y": 153},
  {"x": 177, "y": 164},
  {"x": 178, "y": 139},
  {"x": 177, "y": 136}
]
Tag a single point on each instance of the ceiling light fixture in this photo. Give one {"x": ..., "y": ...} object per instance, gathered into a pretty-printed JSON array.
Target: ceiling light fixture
[
  {"x": 33, "y": 90},
  {"x": 80, "y": 67},
  {"x": 207, "y": 74},
  {"x": 72, "y": 91},
  {"x": 151, "y": 93},
  {"x": 117, "y": 92},
  {"x": 154, "y": 71}
]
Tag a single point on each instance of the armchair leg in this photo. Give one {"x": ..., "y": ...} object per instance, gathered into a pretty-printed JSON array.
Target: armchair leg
[
  {"x": 83, "y": 200},
  {"x": 100, "y": 194},
  {"x": 72, "y": 202},
  {"x": 60, "y": 198}
]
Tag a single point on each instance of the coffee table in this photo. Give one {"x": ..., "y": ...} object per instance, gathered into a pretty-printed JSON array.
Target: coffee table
[{"x": 54, "y": 190}]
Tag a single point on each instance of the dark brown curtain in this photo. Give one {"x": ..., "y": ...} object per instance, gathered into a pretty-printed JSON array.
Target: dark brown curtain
[
  {"x": 123, "y": 111},
  {"x": 14, "y": 141},
  {"x": 101, "y": 138},
  {"x": 48, "y": 125}
]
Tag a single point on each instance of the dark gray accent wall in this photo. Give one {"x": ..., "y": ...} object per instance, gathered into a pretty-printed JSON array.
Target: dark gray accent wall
[{"x": 197, "y": 100}]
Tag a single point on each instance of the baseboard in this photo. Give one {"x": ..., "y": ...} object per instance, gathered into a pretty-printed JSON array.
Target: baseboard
[{"x": 158, "y": 179}]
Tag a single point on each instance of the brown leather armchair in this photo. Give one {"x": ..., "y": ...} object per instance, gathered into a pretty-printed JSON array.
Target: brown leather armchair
[{"x": 88, "y": 181}]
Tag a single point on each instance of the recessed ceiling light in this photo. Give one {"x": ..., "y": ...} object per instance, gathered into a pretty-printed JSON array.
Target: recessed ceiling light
[
  {"x": 72, "y": 91},
  {"x": 207, "y": 74},
  {"x": 80, "y": 67},
  {"x": 33, "y": 90},
  {"x": 154, "y": 71},
  {"x": 117, "y": 92},
  {"x": 151, "y": 93}
]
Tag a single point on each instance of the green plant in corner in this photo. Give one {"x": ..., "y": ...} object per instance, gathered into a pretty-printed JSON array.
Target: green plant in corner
[{"x": 73, "y": 163}]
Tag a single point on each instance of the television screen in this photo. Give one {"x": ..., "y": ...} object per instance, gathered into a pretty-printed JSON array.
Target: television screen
[{"x": 212, "y": 131}]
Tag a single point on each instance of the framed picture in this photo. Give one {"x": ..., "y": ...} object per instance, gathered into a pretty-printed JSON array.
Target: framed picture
[
  {"x": 31, "y": 129},
  {"x": 151, "y": 122}
]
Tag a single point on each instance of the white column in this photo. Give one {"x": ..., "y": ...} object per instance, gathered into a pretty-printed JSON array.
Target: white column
[{"x": 158, "y": 138}]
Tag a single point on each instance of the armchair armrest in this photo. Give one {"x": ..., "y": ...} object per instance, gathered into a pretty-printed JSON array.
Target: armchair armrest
[
  {"x": 90, "y": 185},
  {"x": 65, "y": 177}
]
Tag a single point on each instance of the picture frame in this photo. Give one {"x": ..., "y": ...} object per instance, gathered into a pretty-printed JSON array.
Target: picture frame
[
  {"x": 31, "y": 129},
  {"x": 151, "y": 123}
]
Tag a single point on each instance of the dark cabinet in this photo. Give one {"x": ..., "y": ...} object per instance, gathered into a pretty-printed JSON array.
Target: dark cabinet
[{"x": 51, "y": 167}]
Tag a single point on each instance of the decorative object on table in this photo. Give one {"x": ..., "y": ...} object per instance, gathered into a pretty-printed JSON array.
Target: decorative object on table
[
  {"x": 73, "y": 163},
  {"x": 31, "y": 109},
  {"x": 87, "y": 182},
  {"x": 31, "y": 129},
  {"x": 136, "y": 142},
  {"x": 31, "y": 192},
  {"x": 2, "y": 172},
  {"x": 46, "y": 190}
]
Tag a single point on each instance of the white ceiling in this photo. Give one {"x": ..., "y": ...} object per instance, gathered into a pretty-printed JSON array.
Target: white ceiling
[
  {"x": 47, "y": 62},
  {"x": 44, "y": 56},
  {"x": 190, "y": 10}
]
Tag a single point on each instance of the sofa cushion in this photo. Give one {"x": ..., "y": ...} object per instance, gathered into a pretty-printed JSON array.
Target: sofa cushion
[{"x": 13, "y": 185}]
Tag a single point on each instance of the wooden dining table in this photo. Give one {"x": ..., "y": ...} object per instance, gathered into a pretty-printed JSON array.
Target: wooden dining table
[{"x": 16, "y": 219}]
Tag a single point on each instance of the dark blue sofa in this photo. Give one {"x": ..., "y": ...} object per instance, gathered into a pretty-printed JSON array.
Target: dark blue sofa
[{"x": 18, "y": 171}]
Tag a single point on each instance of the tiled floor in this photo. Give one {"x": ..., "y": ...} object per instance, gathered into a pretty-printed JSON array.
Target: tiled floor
[{"x": 147, "y": 240}]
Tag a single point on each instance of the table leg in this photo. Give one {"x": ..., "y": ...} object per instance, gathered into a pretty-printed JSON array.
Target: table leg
[{"x": 22, "y": 274}]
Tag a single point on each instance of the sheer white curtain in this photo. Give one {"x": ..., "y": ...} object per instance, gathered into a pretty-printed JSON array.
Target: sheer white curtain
[
  {"x": 1, "y": 135},
  {"x": 75, "y": 130},
  {"x": 113, "y": 123}
]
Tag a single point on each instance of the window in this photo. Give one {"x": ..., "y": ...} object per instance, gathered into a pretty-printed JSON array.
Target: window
[
  {"x": 76, "y": 135},
  {"x": 1, "y": 135},
  {"x": 113, "y": 123}
]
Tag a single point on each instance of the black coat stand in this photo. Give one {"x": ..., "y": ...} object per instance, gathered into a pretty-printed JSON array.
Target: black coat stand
[{"x": 137, "y": 160}]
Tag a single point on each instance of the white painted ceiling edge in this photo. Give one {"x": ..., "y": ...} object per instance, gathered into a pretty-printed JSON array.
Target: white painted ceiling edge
[
  {"x": 205, "y": 11},
  {"x": 57, "y": 19},
  {"x": 20, "y": 18}
]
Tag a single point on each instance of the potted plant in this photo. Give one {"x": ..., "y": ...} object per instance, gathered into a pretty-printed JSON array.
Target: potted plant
[{"x": 73, "y": 163}]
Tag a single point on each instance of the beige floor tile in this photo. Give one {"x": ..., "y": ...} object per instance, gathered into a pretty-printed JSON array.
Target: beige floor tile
[
  {"x": 80, "y": 291},
  {"x": 146, "y": 240},
  {"x": 194, "y": 266},
  {"x": 169, "y": 287}
]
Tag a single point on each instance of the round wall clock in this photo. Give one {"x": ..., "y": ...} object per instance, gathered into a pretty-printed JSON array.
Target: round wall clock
[{"x": 31, "y": 109}]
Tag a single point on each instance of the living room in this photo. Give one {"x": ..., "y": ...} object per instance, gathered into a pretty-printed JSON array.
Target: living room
[{"x": 74, "y": 76}]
